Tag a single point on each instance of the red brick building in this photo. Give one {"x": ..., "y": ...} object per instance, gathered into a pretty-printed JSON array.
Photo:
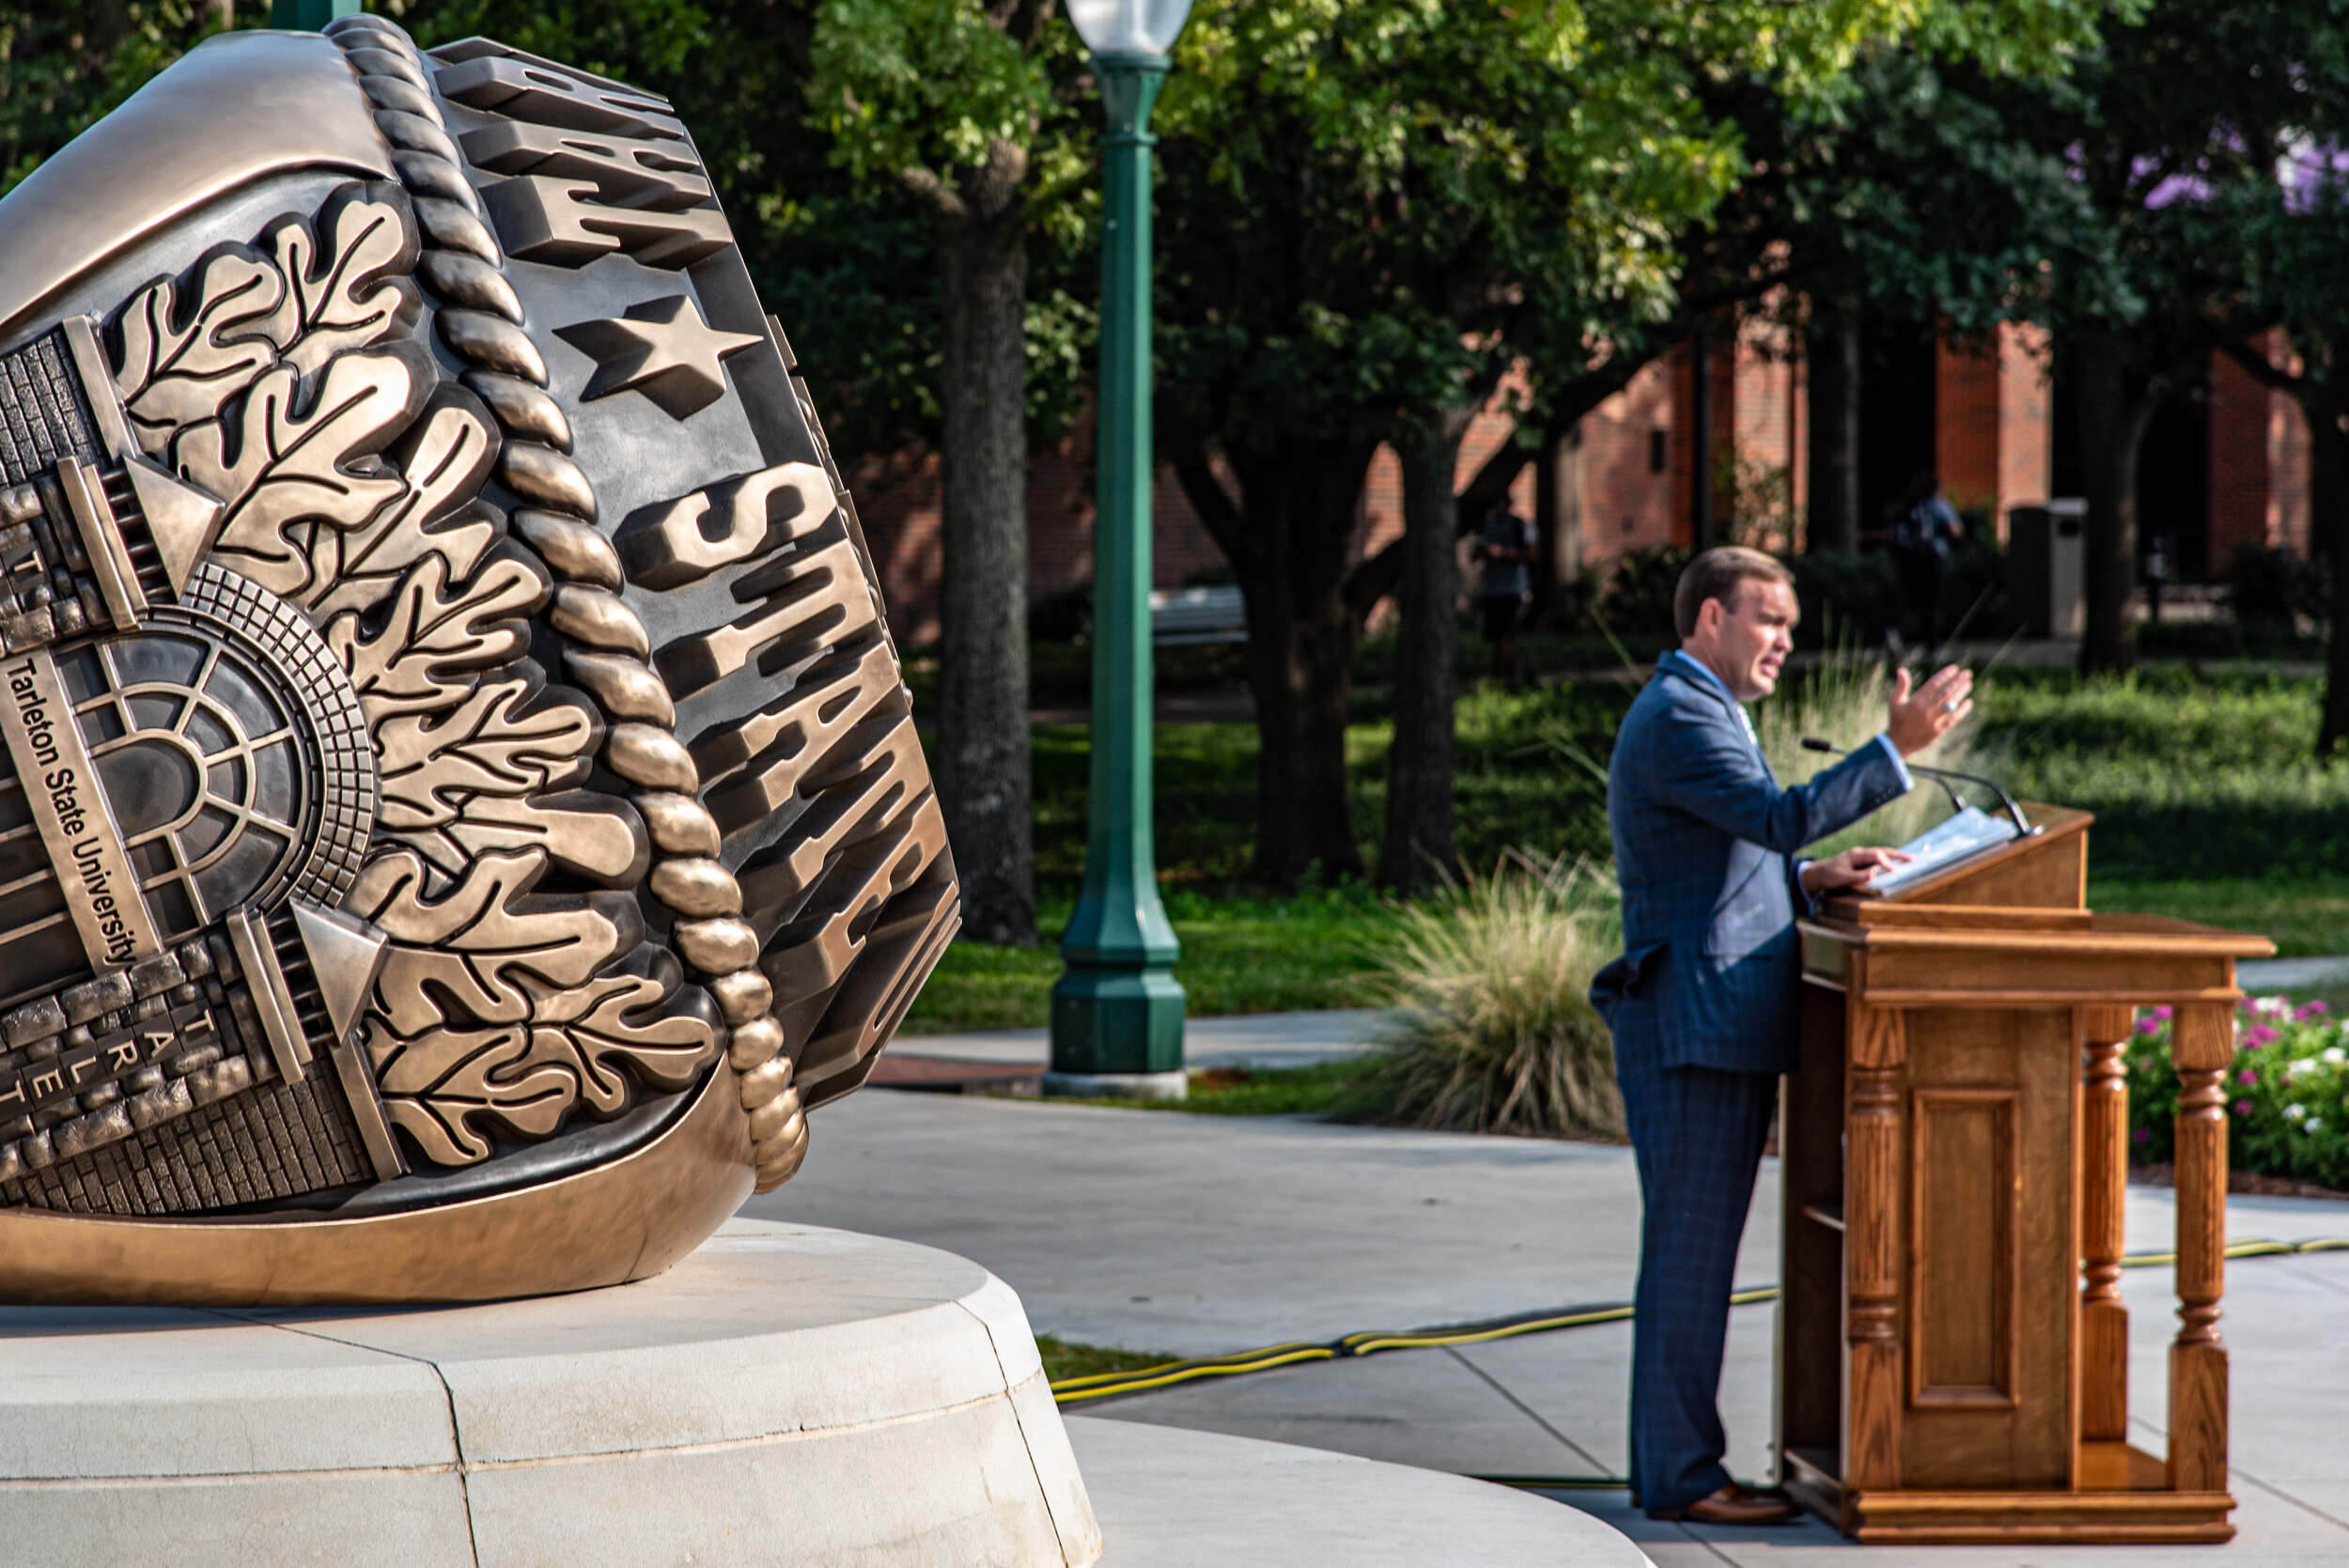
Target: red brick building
[
  {"x": 2259, "y": 462},
  {"x": 1985, "y": 420}
]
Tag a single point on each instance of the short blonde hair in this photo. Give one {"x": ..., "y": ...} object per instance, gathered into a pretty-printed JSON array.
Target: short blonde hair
[{"x": 1716, "y": 574}]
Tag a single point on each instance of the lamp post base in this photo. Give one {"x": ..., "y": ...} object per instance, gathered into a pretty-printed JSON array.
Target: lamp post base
[
  {"x": 1118, "y": 1086},
  {"x": 1118, "y": 1021}
]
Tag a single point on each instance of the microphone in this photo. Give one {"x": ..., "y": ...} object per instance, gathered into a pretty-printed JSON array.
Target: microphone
[{"x": 1942, "y": 777}]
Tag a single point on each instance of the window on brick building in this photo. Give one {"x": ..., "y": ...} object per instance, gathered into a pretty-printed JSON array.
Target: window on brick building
[{"x": 1654, "y": 458}]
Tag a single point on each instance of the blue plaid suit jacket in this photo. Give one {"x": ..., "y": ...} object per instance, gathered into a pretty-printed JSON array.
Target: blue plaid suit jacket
[{"x": 1703, "y": 836}]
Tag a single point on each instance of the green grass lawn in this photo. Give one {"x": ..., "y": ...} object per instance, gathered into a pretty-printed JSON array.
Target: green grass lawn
[
  {"x": 2194, "y": 776},
  {"x": 2307, "y": 917},
  {"x": 1322, "y": 1089},
  {"x": 2209, "y": 804},
  {"x": 1239, "y": 956},
  {"x": 1064, "y": 1360}
]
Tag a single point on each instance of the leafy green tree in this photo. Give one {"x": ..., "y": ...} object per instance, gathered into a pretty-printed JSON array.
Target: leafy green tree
[
  {"x": 1370, "y": 215},
  {"x": 2112, "y": 193},
  {"x": 1917, "y": 201},
  {"x": 1363, "y": 206},
  {"x": 1905, "y": 192},
  {"x": 2284, "y": 221},
  {"x": 2146, "y": 122},
  {"x": 65, "y": 66},
  {"x": 975, "y": 111}
]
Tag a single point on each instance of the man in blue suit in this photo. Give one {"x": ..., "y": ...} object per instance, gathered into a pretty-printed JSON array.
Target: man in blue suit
[{"x": 1703, "y": 1003}]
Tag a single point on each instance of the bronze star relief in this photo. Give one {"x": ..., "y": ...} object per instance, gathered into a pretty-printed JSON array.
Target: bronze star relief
[{"x": 662, "y": 348}]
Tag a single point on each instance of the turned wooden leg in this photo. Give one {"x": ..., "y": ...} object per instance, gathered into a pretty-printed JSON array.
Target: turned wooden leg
[
  {"x": 2104, "y": 1191},
  {"x": 1871, "y": 1183},
  {"x": 2202, "y": 1045}
]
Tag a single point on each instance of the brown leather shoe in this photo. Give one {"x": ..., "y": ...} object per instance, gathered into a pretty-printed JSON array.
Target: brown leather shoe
[{"x": 1734, "y": 1505}]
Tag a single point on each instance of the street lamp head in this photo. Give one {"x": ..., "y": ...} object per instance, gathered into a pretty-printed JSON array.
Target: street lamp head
[{"x": 1129, "y": 26}]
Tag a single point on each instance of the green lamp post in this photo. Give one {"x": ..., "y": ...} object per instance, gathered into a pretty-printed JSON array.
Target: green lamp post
[
  {"x": 1118, "y": 1012},
  {"x": 308, "y": 16}
]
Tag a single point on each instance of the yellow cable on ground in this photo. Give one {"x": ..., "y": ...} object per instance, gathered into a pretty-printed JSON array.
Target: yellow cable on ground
[
  {"x": 2254, "y": 1248},
  {"x": 1069, "y": 1391},
  {"x": 1107, "y": 1385}
]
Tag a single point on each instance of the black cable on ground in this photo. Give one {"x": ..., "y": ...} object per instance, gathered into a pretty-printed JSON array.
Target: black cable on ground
[{"x": 1141, "y": 1380}]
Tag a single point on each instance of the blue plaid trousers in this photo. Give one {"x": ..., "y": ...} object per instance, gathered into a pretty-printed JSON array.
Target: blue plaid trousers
[{"x": 1697, "y": 1133}]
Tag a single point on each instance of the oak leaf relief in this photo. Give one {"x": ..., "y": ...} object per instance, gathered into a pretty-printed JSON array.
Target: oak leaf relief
[
  {"x": 189, "y": 345},
  {"x": 281, "y": 460},
  {"x": 494, "y": 742},
  {"x": 484, "y": 947},
  {"x": 436, "y": 634},
  {"x": 506, "y": 1016},
  {"x": 284, "y": 379},
  {"x": 443, "y": 458}
]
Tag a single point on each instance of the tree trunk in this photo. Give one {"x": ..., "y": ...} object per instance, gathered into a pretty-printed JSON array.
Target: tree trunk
[
  {"x": 983, "y": 780},
  {"x": 1417, "y": 845},
  {"x": 2115, "y": 408},
  {"x": 1286, "y": 536},
  {"x": 1705, "y": 441},
  {"x": 2329, "y": 493},
  {"x": 1301, "y": 671},
  {"x": 1301, "y": 675},
  {"x": 1558, "y": 523},
  {"x": 2328, "y": 487},
  {"x": 1834, "y": 394}
]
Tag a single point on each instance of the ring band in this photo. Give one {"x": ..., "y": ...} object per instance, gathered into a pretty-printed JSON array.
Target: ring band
[{"x": 1949, "y": 707}]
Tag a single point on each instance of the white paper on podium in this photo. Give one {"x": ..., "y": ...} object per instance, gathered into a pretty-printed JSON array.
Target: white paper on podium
[{"x": 1962, "y": 837}]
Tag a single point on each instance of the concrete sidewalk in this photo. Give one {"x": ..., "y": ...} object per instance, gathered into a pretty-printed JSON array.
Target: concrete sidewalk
[
  {"x": 1192, "y": 1235},
  {"x": 2258, "y": 976},
  {"x": 1254, "y": 1039}
]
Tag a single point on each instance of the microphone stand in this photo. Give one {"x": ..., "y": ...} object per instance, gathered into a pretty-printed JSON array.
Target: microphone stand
[{"x": 1943, "y": 776}]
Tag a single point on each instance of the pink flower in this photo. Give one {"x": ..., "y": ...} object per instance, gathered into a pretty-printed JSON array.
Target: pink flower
[
  {"x": 2243, "y": 1108},
  {"x": 2149, "y": 1026},
  {"x": 2247, "y": 1076},
  {"x": 2316, "y": 1007},
  {"x": 2259, "y": 1035},
  {"x": 2144, "y": 1135},
  {"x": 2163, "y": 1011}
]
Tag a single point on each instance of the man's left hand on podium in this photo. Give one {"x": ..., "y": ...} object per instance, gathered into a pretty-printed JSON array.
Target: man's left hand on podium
[{"x": 1853, "y": 868}]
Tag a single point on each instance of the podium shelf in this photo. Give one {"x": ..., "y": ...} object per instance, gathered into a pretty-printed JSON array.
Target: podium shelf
[{"x": 2121, "y": 959}]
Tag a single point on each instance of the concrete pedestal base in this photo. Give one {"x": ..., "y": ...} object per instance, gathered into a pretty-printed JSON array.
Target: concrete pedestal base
[{"x": 786, "y": 1396}]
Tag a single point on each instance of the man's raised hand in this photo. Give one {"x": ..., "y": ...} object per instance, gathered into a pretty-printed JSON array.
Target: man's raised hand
[{"x": 1915, "y": 722}]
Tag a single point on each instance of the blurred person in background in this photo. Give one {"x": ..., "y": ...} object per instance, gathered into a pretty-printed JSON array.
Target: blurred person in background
[
  {"x": 1506, "y": 549},
  {"x": 1923, "y": 526}
]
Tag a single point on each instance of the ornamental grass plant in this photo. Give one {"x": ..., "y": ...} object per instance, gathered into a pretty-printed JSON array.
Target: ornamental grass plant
[
  {"x": 2287, "y": 1091},
  {"x": 1493, "y": 1027}
]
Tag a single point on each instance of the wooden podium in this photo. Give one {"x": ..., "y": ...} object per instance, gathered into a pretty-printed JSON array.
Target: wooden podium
[{"x": 1954, "y": 1145}]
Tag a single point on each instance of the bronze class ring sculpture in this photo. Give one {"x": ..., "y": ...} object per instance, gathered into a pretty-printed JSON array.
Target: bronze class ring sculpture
[{"x": 461, "y": 803}]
